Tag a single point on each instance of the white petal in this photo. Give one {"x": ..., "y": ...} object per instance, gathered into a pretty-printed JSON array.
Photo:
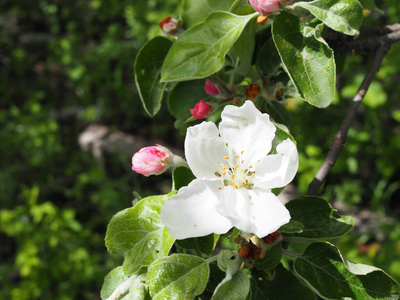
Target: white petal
[
  {"x": 204, "y": 149},
  {"x": 246, "y": 129},
  {"x": 192, "y": 211},
  {"x": 278, "y": 170},
  {"x": 255, "y": 211}
]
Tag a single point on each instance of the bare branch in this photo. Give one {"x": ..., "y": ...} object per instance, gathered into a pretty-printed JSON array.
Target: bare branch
[
  {"x": 340, "y": 137},
  {"x": 374, "y": 37}
]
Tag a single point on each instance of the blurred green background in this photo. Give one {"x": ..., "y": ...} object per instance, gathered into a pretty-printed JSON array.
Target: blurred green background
[{"x": 65, "y": 65}]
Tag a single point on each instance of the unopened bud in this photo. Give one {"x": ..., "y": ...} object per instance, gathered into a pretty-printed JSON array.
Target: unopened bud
[
  {"x": 154, "y": 160},
  {"x": 169, "y": 25},
  {"x": 265, "y": 7},
  {"x": 201, "y": 110},
  {"x": 211, "y": 88}
]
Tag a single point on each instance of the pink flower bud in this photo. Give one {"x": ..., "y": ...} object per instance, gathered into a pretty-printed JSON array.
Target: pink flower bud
[
  {"x": 151, "y": 160},
  {"x": 201, "y": 110},
  {"x": 211, "y": 88},
  {"x": 168, "y": 25},
  {"x": 265, "y": 7}
]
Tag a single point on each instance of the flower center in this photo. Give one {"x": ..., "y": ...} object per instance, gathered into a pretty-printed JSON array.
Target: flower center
[{"x": 234, "y": 173}]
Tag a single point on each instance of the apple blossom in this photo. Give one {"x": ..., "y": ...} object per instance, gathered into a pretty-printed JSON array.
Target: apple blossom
[
  {"x": 211, "y": 88},
  {"x": 201, "y": 110},
  {"x": 265, "y": 7},
  {"x": 235, "y": 173},
  {"x": 169, "y": 25},
  {"x": 154, "y": 160}
]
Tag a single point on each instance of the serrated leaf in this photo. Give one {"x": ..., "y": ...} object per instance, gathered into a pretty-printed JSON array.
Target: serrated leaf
[
  {"x": 319, "y": 219},
  {"x": 200, "y": 51},
  {"x": 184, "y": 96},
  {"x": 333, "y": 277},
  {"x": 138, "y": 234},
  {"x": 306, "y": 57},
  {"x": 341, "y": 15},
  {"x": 117, "y": 283},
  {"x": 179, "y": 276},
  {"x": 271, "y": 259},
  {"x": 147, "y": 68},
  {"x": 279, "y": 284}
]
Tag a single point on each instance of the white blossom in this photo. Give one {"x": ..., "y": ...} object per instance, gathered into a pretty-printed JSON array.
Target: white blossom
[{"x": 235, "y": 173}]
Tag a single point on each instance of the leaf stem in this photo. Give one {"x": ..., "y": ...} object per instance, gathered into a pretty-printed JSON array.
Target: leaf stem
[{"x": 290, "y": 253}]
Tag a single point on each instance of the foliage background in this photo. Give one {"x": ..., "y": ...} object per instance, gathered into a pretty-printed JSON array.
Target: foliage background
[{"x": 67, "y": 64}]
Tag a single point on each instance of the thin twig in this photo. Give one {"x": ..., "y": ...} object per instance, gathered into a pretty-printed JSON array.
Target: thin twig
[
  {"x": 375, "y": 37},
  {"x": 340, "y": 137}
]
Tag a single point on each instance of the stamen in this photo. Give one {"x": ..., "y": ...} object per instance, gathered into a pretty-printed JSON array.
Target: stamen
[
  {"x": 146, "y": 163},
  {"x": 236, "y": 156},
  {"x": 226, "y": 157},
  {"x": 242, "y": 152}
]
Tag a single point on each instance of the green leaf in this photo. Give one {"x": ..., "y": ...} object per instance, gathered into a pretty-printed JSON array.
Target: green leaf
[
  {"x": 268, "y": 60},
  {"x": 181, "y": 176},
  {"x": 278, "y": 112},
  {"x": 307, "y": 58},
  {"x": 216, "y": 276},
  {"x": 179, "y": 276},
  {"x": 203, "y": 244},
  {"x": 236, "y": 284},
  {"x": 292, "y": 227},
  {"x": 117, "y": 283},
  {"x": 138, "y": 234},
  {"x": 341, "y": 15},
  {"x": 319, "y": 219},
  {"x": 271, "y": 259},
  {"x": 244, "y": 48},
  {"x": 184, "y": 96},
  {"x": 279, "y": 284},
  {"x": 148, "y": 73},
  {"x": 196, "y": 11},
  {"x": 200, "y": 51},
  {"x": 333, "y": 277},
  {"x": 234, "y": 287}
]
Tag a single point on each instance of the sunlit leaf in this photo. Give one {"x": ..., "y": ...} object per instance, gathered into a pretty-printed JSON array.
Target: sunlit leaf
[
  {"x": 307, "y": 58},
  {"x": 179, "y": 276},
  {"x": 341, "y": 15},
  {"x": 200, "y": 51},
  {"x": 138, "y": 234}
]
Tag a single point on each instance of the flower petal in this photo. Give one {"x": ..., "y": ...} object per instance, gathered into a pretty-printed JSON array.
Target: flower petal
[
  {"x": 204, "y": 149},
  {"x": 278, "y": 170},
  {"x": 255, "y": 211},
  {"x": 246, "y": 129},
  {"x": 192, "y": 211}
]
